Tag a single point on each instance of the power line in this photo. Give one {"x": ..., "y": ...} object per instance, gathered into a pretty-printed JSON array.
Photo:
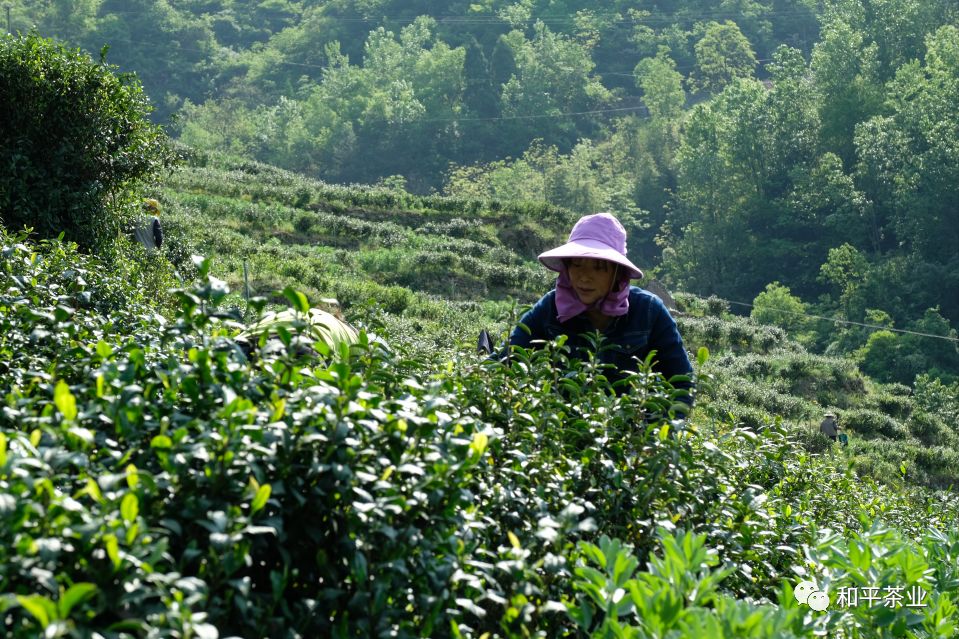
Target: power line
[
  {"x": 533, "y": 116},
  {"x": 536, "y": 115},
  {"x": 228, "y": 51},
  {"x": 614, "y": 19},
  {"x": 760, "y": 61},
  {"x": 213, "y": 51},
  {"x": 848, "y": 322},
  {"x": 613, "y": 24}
]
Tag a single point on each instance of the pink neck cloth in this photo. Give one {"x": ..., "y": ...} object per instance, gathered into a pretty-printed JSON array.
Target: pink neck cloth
[{"x": 568, "y": 306}]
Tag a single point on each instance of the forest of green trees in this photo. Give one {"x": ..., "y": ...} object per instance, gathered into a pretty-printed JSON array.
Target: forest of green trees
[{"x": 801, "y": 150}]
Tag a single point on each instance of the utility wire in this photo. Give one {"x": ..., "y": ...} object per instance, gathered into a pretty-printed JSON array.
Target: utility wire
[
  {"x": 849, "y": 322},
  {"x": 228, "y": 52},
  {"x": 760, "y": 61},
  {"x": 641, "y": 107},
  {"x": 615, "y": 19}
]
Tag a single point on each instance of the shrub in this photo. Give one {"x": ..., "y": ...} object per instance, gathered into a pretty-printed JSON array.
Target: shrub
[
  {"x": 935, "y": 397},
  {"x": 880, "y": 356},
  {"x": 895, "y": 405},
  {"x": 761, "y": 396},
  {"x": 778, "y": 306},
  {"x": 75, "y": 145},
  {"x": 814, "y": 441},
  {"x": 871, "y": 423},
  {"x": 223, "y": 461},
  {"x": 768, "y": 338},
  {"x": 732, "y": 333},
  {"x": 393, "y": 299},
  {"x": 931, "y": 430},
  {"x": 749, "y": 365},
  {"x": 178, "y": 246},
  {"x": 830, "y": 381},
  {"x": 716, "y": 307}
]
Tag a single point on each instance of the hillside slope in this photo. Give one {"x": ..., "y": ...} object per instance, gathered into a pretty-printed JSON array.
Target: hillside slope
[{"x": 426, "y": 259}]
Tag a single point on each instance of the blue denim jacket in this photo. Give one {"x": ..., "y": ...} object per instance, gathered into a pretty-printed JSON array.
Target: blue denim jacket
[{"x": 647, "y": 326}]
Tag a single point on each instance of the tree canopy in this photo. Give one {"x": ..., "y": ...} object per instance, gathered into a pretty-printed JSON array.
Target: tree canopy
[{"x": 76, "y": 142}]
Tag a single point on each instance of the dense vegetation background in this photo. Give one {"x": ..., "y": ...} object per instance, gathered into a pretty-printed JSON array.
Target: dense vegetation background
[{"x": 155, "y": 481}]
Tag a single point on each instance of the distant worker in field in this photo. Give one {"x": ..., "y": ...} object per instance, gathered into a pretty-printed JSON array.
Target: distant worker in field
[
  {"x": 593, "y": 293},
  {"x": 316, "y": 326},
  {"x": 148, "y": 231},
  {"x": 829, "y": 426}
]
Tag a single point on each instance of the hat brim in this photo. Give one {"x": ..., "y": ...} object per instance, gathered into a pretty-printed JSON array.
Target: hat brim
[{"x": 553, "y": 259}]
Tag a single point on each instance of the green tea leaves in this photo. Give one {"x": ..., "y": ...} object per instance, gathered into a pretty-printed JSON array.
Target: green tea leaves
[
  {"x": 65, "y": 401},
  {"x": 260, "y": 499}
]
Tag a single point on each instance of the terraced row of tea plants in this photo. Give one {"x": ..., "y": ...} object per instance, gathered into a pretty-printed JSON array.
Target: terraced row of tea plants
[
  {"x": 897, "y": 434},
  {"x": 157, "y": 482},
  {"x": 427, "y": 261}
]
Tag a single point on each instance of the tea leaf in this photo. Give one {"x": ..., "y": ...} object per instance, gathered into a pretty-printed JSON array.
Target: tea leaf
[
  {"x": 66, "y": 403},
  {"x": 260, "y": 499}
]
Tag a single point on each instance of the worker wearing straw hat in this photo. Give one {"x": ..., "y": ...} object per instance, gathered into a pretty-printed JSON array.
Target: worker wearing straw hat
[{"x": 829, "y": 426}]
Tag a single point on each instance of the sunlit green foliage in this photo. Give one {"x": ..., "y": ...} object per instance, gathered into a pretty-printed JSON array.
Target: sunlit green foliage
[
  {"x": 155, "y": 481},
  {"x": 75, "y": 145},
  {"x": 728, "y": 137},
  {"x": 360, "y": 120},
  {"x": 722, "y": 55},
  {"x": 778, "y": 306}
]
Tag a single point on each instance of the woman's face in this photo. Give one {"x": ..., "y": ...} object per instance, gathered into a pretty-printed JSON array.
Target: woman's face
[{"x": 592, "y": 279}]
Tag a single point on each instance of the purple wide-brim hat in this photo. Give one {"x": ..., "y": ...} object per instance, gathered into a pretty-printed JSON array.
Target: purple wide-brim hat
[{"x": 600, "y": 237}]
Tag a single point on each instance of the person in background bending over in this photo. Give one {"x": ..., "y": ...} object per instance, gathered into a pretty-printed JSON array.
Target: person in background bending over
[
  {"x": 148, "y": 231},
  {"x": 593, "y": 293},
  {"x": 316, "y": 325}
]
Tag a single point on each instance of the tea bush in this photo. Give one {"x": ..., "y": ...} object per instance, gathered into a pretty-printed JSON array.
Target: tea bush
[
  {"x": 732, "y": 334},
  {"x": 934, "y": 397},
  {"x": 815, "y": 442},
  {"x": 932, "y": 430},
  {"x": 72, "y": 165},
  {"x": 716, "y": 307},
  {"x": 871, "y": 423},
  {"x": 892, "y": 401},
  {"x": 749, "y": 365},
  {"x": 279, "y": 243},
  {"x": 183, "y": 463},
  {"x": 679, "y": 593},
  {"x": 155, "y": 481},
  {"x": 829, "y": 381},
  {"x": 238, "y": 178},
  {"x": 939, "y": 466},
  {"x": 762, "y": 397}
]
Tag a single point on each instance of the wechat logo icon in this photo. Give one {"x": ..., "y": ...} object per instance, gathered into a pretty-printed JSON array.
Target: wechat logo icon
[{"x": 807, "y": 593}]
